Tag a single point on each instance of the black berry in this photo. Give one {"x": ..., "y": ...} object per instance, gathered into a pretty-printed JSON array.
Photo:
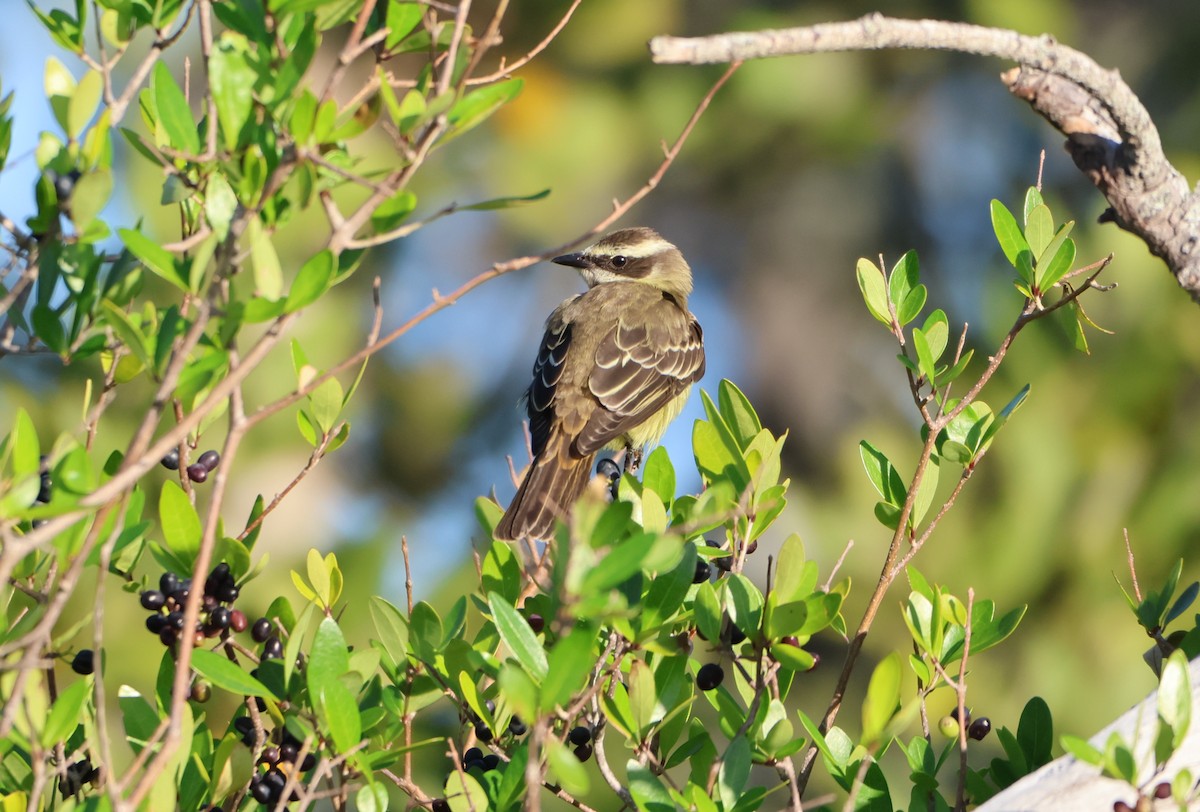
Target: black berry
[
  {"x": 272, "y": 649},
  {"x": 580, "y": 735},
  {"x": 44, "y": 489},
  {"x": 517, "y": 727},
  {"x": 219, "y": 617},
  {"x": 608, "y": 468},
  {"x": 167, "y": 636},
  {"x": 65, "y": 184},
  {"x": 243, "y": 724},
  {"x": 288, "y": 751},
  {"x": 168, "y": 583},
  {"x": 156, "y": 623},
  {"x": 228, "y": 593},
  {"x": 484, "y": 733},
  {"x": 209, "y": 459},
  {"x": 491, "y": 761},
  {"x": 440, "y": 805},
  {"x": 261, "y": 630},
  {"x": 197, "y": 472},
  {"x": 261, "y": 791},
  {"x": 709, "y": 676},
  {"x": 583, "y": 752},
  {"x": 171, "y": 460},
  {"x": 966, "y": 717},
  {"x": 270, "y": 756},
  {"x": 980, "y": 728},
  {"x": 472, "y": 754},
  {"x": 537, "y": 622},
  {"x": 309, "y": 762},
  {"x": 153, "y": 600},
  {"x": 84, "y": 662},
  {"x": 703, "y": 572},
  {"x": 752, "y": 547}
]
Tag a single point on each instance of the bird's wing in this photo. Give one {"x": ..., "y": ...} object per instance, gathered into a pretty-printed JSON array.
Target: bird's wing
[
  {"x": 547, "y": 371},
  {"x": 641, "y": 365}
]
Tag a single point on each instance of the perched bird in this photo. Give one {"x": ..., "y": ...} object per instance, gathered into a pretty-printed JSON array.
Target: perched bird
[{"x": 615, "y": 367}]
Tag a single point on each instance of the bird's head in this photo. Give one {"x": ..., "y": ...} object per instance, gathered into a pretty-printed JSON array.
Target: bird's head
[{"x": 633, "y": 255}]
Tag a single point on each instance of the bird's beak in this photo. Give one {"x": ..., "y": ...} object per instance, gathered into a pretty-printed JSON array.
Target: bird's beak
[{"x": 575, "y": 260}]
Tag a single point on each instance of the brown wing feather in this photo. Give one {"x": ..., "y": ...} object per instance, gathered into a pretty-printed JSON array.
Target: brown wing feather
[
  {"x": 547, "y": 371},
  {"x": 640, "y": 368}
]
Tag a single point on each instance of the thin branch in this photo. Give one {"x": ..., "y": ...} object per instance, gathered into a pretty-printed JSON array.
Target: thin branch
[{"x": 1110, "y": 134}]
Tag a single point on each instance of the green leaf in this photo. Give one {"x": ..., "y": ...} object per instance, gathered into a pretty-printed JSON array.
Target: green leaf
[
  {"x": 910, "y": 308},
  {"x": 1175, "y": 697},
  {"x": 658, "y": 475},
  {"x": 390, "y": 628},
  {"x": 883, "y": 474},
  {"x": 129, "y": 333},
  {"x": 180, "y": 524},
  {"x": 647, "y": 791},
  {"x": 311, "y": 282},
  {"x": 568, "y": 667},
  {"x": 571, "y": 774},
  {"x": 1008, "y": 233},
  {"x": 518, "y": 637},
  {"x": 232, "y": 78},
  {"x": 1035, "y": 732},
  {"x": 874, "y": 290},
  {"x": 463, "y": 793},
  {"x": 735, "y": 771},
  {"x": 509, "y": 202},
  {"x": 48, "y": 328},
  {"x": 402, "y": 18},
  {"x": 1039, "y": 229},
  {"x": 392, "y": 212},
  {"x": 794, "y": 576},
  {"x": 738, "y": 414},
  {"x": 477, "y": 105},
  {"x": 1059, "y": 265},
  {"x": 220, "y": 204},
  {"x": 925, "y": 358},
  {"x": 326, "y": 402},
  {"x": 1033, "y": 198},
  {"x": 882, "y": 700},
  {"x": 83, "y": 103},
  {"x": 341, "y": 715},
  {"x": 174, "y": 115},
  {"x": 89, "y": 198},
  {"x": 227, "y": 675},
  {"x": 904, "y": 278},
  {"x": 159, "y": 260},
  {"x": 65, "y": 714},
  {"x": 268, "y": 275}
]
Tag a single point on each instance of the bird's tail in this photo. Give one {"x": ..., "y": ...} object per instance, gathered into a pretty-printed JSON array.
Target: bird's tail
[{"x": 551, "y": 486}]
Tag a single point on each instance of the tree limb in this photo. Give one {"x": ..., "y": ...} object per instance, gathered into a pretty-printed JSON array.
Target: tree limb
[{"x": 1110, "y": 134}]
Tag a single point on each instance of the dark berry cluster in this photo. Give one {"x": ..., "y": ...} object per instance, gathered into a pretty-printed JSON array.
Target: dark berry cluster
[
  {"x": 474, "y": 758},
  {"x": 199, "y": 470},
  {"x": 263, "y": 632},
  {"x": 216, "y": 615},
  {"x": 724, "y": 564},
  {"x": 581, "y": 737},
  {"x": 280, "y": 762},
  {"x": 76, "y": 775}
]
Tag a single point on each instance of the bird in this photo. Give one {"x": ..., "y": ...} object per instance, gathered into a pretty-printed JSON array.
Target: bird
[{"x": 614, "y": 368}]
